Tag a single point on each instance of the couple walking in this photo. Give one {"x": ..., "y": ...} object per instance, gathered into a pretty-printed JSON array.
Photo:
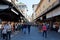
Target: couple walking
[{"x": 6, "y": 31}]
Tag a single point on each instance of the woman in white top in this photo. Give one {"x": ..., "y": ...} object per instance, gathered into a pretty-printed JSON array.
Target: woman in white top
[{"x": 4, "y": 32}]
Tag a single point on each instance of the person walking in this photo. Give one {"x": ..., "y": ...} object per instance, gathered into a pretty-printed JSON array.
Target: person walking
[
  {"x": 29, "y": 29},
  {"x": 8, "y": 31},
  {"x": 4, "y": 32},
  {"x": 21, "y": 27},
  {"x": 1, "y": 27},
  {"x": 47, "y": 25},
  {"x": 24, "y": 28},
  {"x": 16, "y": 25},
  {"x": 44, "y": 28}
]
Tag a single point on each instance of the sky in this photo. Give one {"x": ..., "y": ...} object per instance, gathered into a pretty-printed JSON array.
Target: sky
[{"x": 29, "y": 4}]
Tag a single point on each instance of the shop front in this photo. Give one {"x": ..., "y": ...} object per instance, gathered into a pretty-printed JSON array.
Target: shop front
[{"x": 54, "y": 18}]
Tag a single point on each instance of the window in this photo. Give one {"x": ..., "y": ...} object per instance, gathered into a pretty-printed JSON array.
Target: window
[
  {"x": 48, "y": 0},
  {"x": 23, "y": 6}
]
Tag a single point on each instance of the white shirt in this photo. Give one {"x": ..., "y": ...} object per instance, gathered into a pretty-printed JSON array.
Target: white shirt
[
  {"x": 5, "y": 29},
  {"x": 15, "y": 26},
  {"x": 8, "y": 27}
]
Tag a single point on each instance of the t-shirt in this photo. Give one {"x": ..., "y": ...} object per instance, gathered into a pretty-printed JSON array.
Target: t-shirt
[
  {"x": 44, "y": 28},
  {"x": 16, "y": 26},
  {"x": 8, "y": 27},
  {"x": 4, "y": 31}
]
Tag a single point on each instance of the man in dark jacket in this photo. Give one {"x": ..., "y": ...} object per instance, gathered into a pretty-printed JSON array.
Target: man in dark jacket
[
  {"x": 24, "y": 28},
  {"x": 29, "y": 29}
]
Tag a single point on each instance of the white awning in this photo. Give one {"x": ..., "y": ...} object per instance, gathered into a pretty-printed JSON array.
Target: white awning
[{"x": 53, "y": 13}]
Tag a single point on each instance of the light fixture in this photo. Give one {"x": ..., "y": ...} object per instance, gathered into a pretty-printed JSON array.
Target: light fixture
[{"x": 14, "y": 11}]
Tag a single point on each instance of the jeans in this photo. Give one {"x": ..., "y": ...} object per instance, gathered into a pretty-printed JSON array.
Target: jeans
[
  {"x": 4, "y": 36},
  {"x": 44, "y": 33},
  {"x": 0, "y": 33},
  {"x": 9, "y": 35}
]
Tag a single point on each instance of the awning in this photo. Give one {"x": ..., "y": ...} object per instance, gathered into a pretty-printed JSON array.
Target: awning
[
  {"x": 53, "y": 13},
  {"x": 8, "y": 15},
  {"x": 4, "y": 6}
]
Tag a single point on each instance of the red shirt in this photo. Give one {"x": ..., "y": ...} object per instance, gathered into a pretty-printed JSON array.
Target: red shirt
[{"x": 44, "y": 28}]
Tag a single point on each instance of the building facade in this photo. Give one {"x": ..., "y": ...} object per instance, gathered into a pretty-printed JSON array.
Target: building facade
[
  {"x": 45, "y": 5},
  {"x": 34, "y": 6},
  {"x": 49, "y": 11},
  {"x": 23, "y": 8}
]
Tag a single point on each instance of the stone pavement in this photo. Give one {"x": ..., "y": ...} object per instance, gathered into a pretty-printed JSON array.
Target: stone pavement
[
  {"x": 36, "y": 35},
  {"x": 12, "y": 35}
]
